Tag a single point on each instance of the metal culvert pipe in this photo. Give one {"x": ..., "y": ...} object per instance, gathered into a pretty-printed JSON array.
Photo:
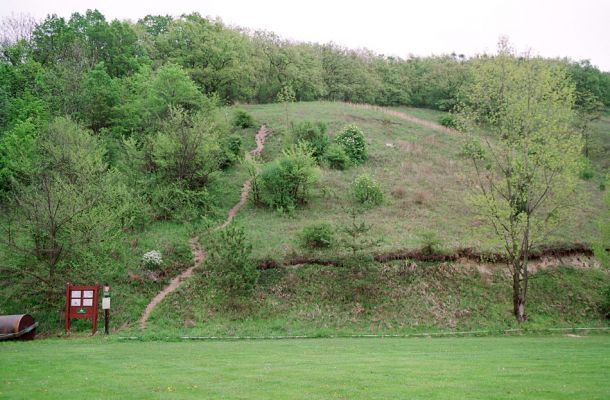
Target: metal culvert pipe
[{"x": 22, "y": 327}]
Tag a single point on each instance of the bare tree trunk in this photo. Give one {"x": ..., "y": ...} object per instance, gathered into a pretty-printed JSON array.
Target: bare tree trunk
[{"x": 520, "y": 278}]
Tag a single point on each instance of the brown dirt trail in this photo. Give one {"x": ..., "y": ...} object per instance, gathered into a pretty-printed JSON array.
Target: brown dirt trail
[
  {"x": 199, "y": 254},
  {"x": 407, "y": 117}
]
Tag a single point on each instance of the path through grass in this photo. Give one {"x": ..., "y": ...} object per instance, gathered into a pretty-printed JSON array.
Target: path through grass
[{"x": 456, "y": 368}]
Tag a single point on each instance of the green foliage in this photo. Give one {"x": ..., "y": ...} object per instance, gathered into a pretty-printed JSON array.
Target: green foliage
[
  {"x": 286, "y": 95},
  {"x": 352, "y": 140},
  {"x": 314, "y": 135},
  {"x": 587, "y": 171},
  {"x": 287, "y": 181},
  {"x": 187, "y": 149},
  {"x": 232, "y": 148},
  {"x": 367, "y": 191},
  {"x": 430, "y": 243},
  {"x": 174, "y": 202},
  {"x": 336, "y": 157},
  {"x": 317, "y": 235},
  {"x": 172, "y": 87},
  {"x": 601, "y": 247},
  {"x": 449, "y": 121},
  {"x": 73, "y": 203},
  {"x": 526, "y": 105},
  {"x": 242, "y": 119},
  {"x": 99, "y": 97},
  {"x": 229, "y": 261},
  {"x": 356, "y": 237},
  {"x": 605, "y": 305},
  {"x": 17, "y": 156}
]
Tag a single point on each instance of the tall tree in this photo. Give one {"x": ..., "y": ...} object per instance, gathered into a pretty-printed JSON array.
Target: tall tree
[{"x": 526, "y": 164}]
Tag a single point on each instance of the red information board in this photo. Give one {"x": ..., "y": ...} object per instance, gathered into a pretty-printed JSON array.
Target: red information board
[{"x": 81, "y": 302}]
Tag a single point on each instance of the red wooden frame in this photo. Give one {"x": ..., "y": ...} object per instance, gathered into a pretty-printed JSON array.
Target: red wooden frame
[{"x": 79, "y": 310}]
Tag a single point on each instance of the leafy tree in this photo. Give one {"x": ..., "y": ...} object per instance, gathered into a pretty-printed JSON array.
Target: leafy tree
[
  {"x": 216, "y": 58},
  {"x": 286, "y": 96},
  {"x": 588, "y": 109},
  {"x": 70, "y": 206},
  {"x": 99, "y": 97},
  {"x": 526, "y": 167},
  {"x": 186, "y": 150},
  {"x": 172, "y": 87}
]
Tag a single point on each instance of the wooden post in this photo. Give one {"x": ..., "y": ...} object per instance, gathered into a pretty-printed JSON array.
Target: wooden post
[{"x": 67, "y": 316}]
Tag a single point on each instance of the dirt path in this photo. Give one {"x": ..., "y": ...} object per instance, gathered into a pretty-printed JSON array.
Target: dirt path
[
  {"x": 407, "y": 117},
  {"x": 199, "y": 254},
  {"x": 245, "y": 190}
]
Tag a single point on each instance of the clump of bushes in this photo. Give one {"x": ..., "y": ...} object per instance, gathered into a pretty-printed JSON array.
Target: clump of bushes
[
  {"x": 242, "y": 119},
  {"x": 336, "y": 157},
  {"x": 352, "y": 141},
  {"x": 232, "y": 148},
  {"x": 367, "y": 191},
  {"x": 449, "y": 121},
  {"x": 314, "y": 135},
  {"x": 286, "y": 182},
  {"x": 232, "y": 270},
  {"x": 316, "y": 236}
]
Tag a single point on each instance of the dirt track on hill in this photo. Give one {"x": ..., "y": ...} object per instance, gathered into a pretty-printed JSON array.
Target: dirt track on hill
[
  {"x": 407, "y": 117},
  {"x": 199, "y": 254}
]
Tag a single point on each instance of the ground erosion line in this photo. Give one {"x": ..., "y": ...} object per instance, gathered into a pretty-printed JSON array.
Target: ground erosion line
[{"x": 468, "y": 253}]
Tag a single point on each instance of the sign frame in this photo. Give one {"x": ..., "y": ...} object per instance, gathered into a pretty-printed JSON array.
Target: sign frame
[{"x": 75, "y": 304}]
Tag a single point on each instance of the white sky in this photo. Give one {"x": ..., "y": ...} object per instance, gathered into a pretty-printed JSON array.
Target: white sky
[{"x": 576, "y": 29}]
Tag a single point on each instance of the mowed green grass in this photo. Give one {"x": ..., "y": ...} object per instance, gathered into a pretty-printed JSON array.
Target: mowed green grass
[
  {"x": 455, "y": 368},
  {"x": 425, "y": 180}
]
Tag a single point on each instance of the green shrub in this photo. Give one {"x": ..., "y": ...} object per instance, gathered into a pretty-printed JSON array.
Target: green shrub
[
  {"x": 242, "y": 119},
  {"x": 287, "y": 181},
  {"x": 587, "y": 172},
  {"x": 605, "y": 306},
  {"x": 314, "y": 135},
  {"x": 366, "y": 191},
  {"x": 337, "y": 157},
  {"x": 448, "y": 120},
  {"x": 352, "y": 141},
  {"x": 231, "y": 146},
  {"x": 174, "y": 202},
  {"x": 430, "y": 243},
  {"x": 318, "y": 235},
  {"x": 232, "y": 270}
]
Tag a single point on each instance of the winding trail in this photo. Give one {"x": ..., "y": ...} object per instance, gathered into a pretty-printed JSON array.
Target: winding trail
[
  {"x": 406, "y": 117},
  {"x": 199, "y": 254}
]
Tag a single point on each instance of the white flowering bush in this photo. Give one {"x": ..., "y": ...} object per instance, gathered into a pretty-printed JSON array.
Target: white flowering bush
[
  {"x": 352, "y": 141},
  {"x": 152, "y": 259}
]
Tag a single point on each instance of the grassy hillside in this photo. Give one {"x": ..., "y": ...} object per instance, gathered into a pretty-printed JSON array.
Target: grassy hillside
[
  {"x": 392, "y": 298},
  {"x": 423, "y": 176}
]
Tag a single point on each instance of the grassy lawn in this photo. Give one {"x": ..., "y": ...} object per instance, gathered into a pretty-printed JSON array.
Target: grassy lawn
[{"x": 456, "y": 368}]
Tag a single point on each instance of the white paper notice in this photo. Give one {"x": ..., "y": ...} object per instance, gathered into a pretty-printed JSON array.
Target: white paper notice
[
  {"x": 106, "y": 303},
  {"x": 88, "y": 294},
  {"x": 87, "y": 302},
  {"x": 75, "y": 294},
  {"x": 75, "y": 302}
]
